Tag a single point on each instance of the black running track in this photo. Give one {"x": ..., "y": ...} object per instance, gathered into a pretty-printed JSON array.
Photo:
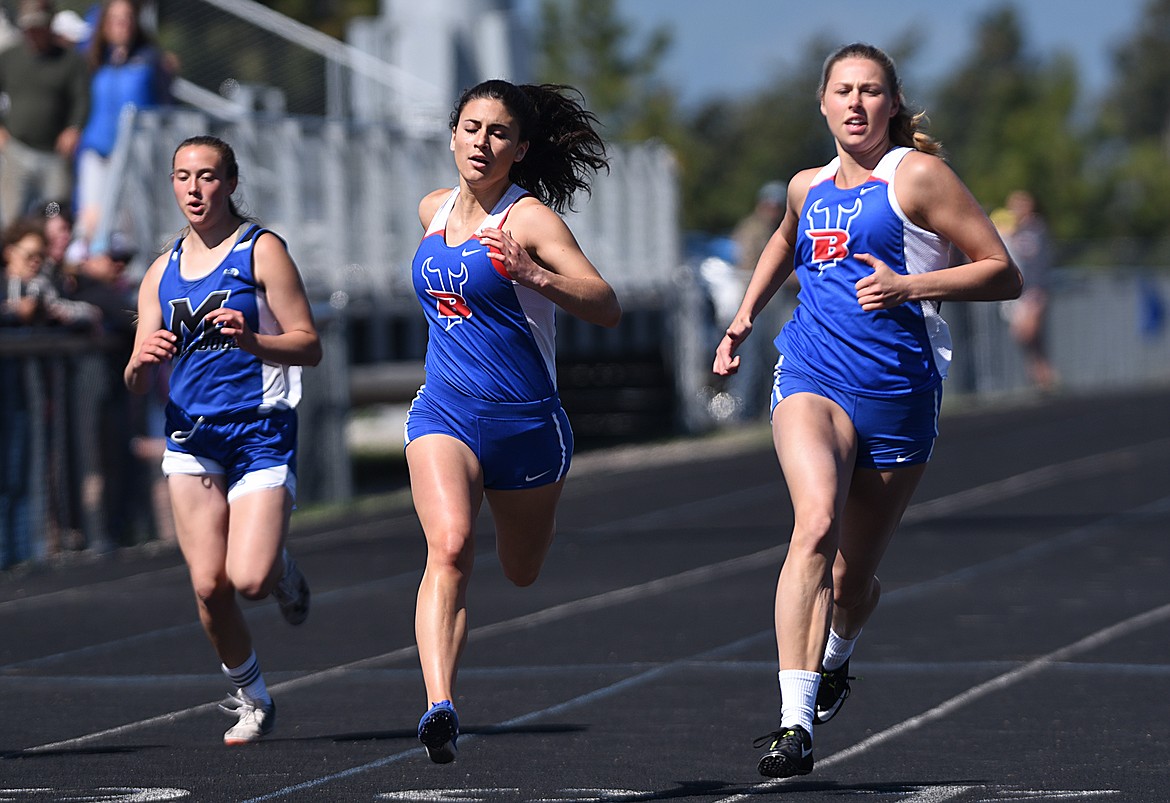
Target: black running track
[{"x": 1021, "y": 651}]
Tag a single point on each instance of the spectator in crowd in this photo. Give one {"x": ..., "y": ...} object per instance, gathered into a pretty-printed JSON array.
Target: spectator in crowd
[
  {"x": 129, "y": 70},
  {"x": 103, "y": 432},
  {"x": 1025, "y": 233},
  {"x": 31, "y": 299},
  {"x": 752, "y": 233},
  {"x": 21, "y": 306},
  {"x": 31, "y": 296},
  {"x": 59, "y": 261},
  {"x": 48, "y": 102},
  {"x": 751, "y": 386}
]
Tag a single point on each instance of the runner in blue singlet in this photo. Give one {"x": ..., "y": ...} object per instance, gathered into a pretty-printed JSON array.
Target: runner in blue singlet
[
  {"x": 226, "y": 309},
  {"x": 858, "y": 380},
  {"x": 494, "y": 265}
]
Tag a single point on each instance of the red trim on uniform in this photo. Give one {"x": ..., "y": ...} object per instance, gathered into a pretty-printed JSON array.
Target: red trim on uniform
[{"x": 500, "y": 269}]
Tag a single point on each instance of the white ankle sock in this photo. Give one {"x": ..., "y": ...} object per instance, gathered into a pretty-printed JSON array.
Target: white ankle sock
[
  {"x": 837, "y": 650},
  {"x": 798, "y": 697},
  {"x": 249, "y": 680}
]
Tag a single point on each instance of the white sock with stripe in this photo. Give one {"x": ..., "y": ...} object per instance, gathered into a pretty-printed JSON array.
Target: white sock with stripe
[{"x": 249, "y": 680}]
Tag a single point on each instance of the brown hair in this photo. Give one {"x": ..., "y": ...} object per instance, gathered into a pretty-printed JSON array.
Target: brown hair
[
  {"x": 905, "y": 125},
  {"x": 99, "y": 47},
  {"x": 22, "y": 227}
]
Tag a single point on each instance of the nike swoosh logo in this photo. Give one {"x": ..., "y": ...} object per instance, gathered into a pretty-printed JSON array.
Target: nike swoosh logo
[
  {"x": 904, "y": 458},
  {"x": 536, "y": 476},
  {"x": 805, "y": 753},
  {"x": 864, "y": 190},
  {"x": 467, "y": 253}
]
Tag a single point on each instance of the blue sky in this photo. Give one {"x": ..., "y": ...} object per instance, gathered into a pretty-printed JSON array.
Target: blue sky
[{"x": 734, "y": 46}]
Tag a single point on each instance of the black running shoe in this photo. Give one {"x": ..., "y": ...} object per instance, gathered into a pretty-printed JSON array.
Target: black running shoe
[
  {"x": 833, "y": 690},
  {"x": 789, "y": 753}
]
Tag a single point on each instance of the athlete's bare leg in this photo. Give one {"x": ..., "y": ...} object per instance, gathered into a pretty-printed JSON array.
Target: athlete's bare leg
[
  {"x": 817, "y": 446},
  {"x": 525, "y": 524},
  {"x": 877, "y": 500},
  {"x": 201, "y": 524},
  {"x": 257, "y": 530},
  {"x": 447, "y": 487}
]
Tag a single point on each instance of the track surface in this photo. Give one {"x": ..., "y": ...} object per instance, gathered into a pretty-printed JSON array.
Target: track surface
[{"x": 1019, "y": 653}]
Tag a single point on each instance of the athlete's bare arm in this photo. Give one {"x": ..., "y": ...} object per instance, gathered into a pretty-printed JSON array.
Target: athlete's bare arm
[
  {"x": 298, "y": 342},
  {"x": 774, "y": 266},
  {"x": 153, "y": 345},
  {"x": 539, "y": 251},
  {"x": 935, "y": 199}
]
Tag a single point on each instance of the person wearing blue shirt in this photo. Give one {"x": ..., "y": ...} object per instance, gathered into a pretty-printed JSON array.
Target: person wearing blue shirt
[
  {"x": 128, "y": 71},
  {"x": 495, "y": 263},
  {"x": 225, "y": 309},
  {"x": 858, "y": 381}
]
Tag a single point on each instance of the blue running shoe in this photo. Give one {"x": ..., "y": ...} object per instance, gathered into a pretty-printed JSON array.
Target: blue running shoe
[{"x": 438, "y": 730}]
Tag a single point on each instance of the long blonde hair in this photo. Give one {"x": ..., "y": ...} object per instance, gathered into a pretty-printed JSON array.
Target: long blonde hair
[{"x": 905, "y": 125}]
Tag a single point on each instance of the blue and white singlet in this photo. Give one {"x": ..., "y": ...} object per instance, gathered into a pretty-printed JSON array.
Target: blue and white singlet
[
  {"x": 211, "y": 376},
  {"x": 489, "y": 337},
  {"x": 889, "y": 352}
]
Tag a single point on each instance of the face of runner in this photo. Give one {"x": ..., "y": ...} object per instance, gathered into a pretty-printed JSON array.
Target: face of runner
[
  {"x": 202, "y": 187},
  {"x": 858, "y": 105},
  {"x": 486, "y": 141}
]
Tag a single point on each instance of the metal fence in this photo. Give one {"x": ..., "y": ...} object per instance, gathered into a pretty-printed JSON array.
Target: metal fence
[
  {"x": 80, "y": 463},
  {"x": 345, "y": 196},
  {"x": 242, "y": 56},
  {"x": 1107, "y": 330}
]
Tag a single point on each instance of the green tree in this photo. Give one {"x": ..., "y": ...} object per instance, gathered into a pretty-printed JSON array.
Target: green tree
[
  {"x": 584, "y": 43},
  {"x": 1131, "y": 168},
  {"x": 329, "y": 16},
  {"x": 1138, "y": 106},
  {"x": 740, "y": 144},
  {"x": 1007, "y": 121}
]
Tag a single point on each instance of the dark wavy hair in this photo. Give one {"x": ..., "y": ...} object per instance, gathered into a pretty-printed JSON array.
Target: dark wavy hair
[
  {"x": 905, "y": 125},
  {"x": 563, "y": 144}
]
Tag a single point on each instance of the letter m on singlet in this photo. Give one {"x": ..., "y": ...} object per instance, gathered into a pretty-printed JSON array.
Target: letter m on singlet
[{"x": 185, "y": 320}]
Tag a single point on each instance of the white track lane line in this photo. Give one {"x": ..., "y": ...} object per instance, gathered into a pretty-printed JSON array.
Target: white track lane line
[
  {"x": 1090, "y": 642},
  {"x": 771, "y": 556}
]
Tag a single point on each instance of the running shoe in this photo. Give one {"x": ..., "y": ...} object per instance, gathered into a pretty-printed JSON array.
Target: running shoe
[
  {"x": 832, "y": 692},
  {"x": 255, "y": 720},
  {"x": 789, "y": 753},
  {"x": 438, "y": 730},
  {"x": 292, "y": 592}
]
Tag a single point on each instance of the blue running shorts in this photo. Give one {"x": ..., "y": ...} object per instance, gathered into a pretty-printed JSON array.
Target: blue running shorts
[
  {"x": 892, "y": 431},
  {"x": 253, "y": 453},
  {"x": 518, "y": 445}
]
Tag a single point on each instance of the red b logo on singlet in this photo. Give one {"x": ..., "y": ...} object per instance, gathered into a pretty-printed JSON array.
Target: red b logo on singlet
[
  {"x": 830, "y": 238},
  {"x": 447, "y": 290},
  {"x": 829, "y": 245}
]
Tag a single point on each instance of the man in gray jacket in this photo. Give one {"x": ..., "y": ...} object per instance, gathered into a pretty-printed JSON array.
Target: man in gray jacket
[{"x": 47, "y": 85}]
